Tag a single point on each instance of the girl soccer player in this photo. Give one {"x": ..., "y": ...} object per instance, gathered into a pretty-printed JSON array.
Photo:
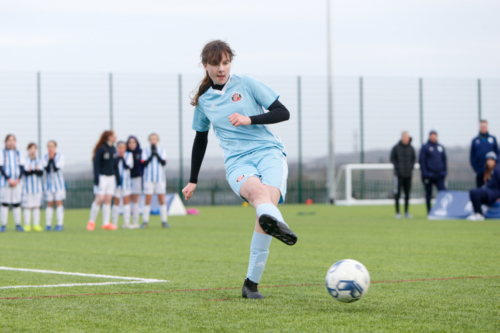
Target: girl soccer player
[
  {"x": 55, "y": 188},
  {"x": 154, "y": 159},
  {"x": 32, "y": 189},
  {"x": 136, "y": 173},
  {"x": 124, "y": 190},
  {"x": 255, "y": 158},
  {"x": 106, "y": 177},
  {"x": 11, "y": 169}
]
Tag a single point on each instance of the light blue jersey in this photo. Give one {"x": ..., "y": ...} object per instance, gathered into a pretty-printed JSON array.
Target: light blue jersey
[
  {"x": 54, "y": 180},
  {"x": 154, "y": 171},
  {"x": 11, "y": 161},
  {"x": 33, "y": 182},
  {"x": 244, "y": 95},
  {"x": 125, "y": 180}
]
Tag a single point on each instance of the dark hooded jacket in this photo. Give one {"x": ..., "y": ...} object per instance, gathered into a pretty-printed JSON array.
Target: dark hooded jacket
[
  {"x": 138, "y": 169},
  {"x": 403, "y": 158}
]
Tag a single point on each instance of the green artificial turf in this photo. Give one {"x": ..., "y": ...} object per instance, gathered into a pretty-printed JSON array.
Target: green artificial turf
[{"x": 211, "y": 251}]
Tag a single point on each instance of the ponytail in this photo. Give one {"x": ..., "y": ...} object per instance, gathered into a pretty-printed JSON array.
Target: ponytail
[
  {"x": 204, "y": 85},
  {"x": 211, "y": 54},
  {"x": 103, "y": 139}
]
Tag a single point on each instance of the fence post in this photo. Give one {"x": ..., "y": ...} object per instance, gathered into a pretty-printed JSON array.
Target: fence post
[
  {"x": 181, "y": 168},
  {"x": 331, "y": 120},
  {"x": 111, "y": 101},
  {"x": 421, "y": 108},
  {"x": 479, "y": 99},
  {"x": 361, "y": 122},
  {"x": 39, "y": 109},
  {"x": 361, "y": 136},
  {"x": 299, "y": 109}
]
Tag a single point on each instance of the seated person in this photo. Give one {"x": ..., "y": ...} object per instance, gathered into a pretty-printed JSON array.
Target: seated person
[{"x": 490, "y": 193}]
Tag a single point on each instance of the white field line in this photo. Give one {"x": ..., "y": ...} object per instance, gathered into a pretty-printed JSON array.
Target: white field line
[
  {"x": 130, "y": 280},
  {"x": 80, "y": 284}
]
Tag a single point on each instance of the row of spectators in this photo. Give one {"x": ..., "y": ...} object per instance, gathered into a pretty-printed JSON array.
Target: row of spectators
[{"x": 434, "y": 169}]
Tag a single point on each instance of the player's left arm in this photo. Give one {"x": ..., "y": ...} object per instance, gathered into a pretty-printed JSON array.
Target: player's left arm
[
  {"x": 58, "y": 162},
  {"x": 129, "y": 162},
  {"x": 163, "y": 158},
  {"x": 21, "y": 165},
  {"x": 266, "y": 97},
  {"x": 277, "y": 114},
  {"x": 444, "y": 172}
]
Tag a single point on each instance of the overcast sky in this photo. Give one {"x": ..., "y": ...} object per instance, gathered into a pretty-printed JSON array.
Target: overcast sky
[{"x": 438, "y": 38}]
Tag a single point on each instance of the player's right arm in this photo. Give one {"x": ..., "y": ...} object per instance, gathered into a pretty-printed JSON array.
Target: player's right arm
[
  {"x": 201, "y": 124},
  {"x": 97, "y": 163}
]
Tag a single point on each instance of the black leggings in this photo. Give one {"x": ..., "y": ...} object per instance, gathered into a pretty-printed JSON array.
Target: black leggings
[
  {"x": 405, "y": 183},
  {"x": 478, "y": 197}
]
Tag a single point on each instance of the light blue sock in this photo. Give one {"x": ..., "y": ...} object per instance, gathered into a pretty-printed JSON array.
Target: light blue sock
[
  {"x": 259, "y": 251},
  {"x": 272, "y": 210}
]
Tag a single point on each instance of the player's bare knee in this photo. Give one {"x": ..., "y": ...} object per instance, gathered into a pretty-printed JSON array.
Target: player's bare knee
[{"x": 257, "y": 193}]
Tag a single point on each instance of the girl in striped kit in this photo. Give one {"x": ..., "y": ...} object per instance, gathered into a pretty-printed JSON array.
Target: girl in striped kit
[
  {"x": 55, "y": 188},
  {"x": 11, "y": 169},
  {"x": 154, "y": 159},
  {"x": 32, "y": 189},
  {"x": 124, "y": 189}
]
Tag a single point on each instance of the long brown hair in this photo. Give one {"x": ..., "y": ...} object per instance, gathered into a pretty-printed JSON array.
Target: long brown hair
[
  {"x": 102, "y": 140},
  {"x": 211, "y": 54},
  {"x": 488, "y": 171}
]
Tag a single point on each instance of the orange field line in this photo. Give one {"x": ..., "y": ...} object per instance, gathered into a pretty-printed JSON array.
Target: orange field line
[{"x": 231, "y": 288}]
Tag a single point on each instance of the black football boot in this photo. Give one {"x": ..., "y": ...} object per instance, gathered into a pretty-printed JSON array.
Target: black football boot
[
  {"x": 277, "y": 229},
  {"x": 250, "y": 290}
]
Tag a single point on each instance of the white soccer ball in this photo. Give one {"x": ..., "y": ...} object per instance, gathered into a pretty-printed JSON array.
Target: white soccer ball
[{"x": 347, "y": 280}]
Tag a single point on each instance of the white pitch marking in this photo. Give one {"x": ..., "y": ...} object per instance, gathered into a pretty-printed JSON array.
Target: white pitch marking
[
  {"x": 131, "y": 280},
  {"x": 74, "y": 274},
  {"x": 81, "y": 284}
]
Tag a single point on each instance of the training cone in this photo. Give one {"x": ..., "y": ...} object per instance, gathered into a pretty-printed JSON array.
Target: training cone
[{"x": 309, "y": 201}]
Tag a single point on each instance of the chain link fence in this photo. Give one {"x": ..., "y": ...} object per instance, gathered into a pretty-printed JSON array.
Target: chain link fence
[{"x": 369, "y": 114}]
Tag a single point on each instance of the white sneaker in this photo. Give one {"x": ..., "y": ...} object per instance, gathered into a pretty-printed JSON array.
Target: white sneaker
[
  {"x": 133, "y": 226},
  {"x": 475, "y": 217},
  {"x": 126, "y": 226},
  {"x": 398, "y": 216}
]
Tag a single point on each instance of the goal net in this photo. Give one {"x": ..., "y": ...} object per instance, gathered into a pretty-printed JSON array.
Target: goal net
[{"x": 372, "y": 184}]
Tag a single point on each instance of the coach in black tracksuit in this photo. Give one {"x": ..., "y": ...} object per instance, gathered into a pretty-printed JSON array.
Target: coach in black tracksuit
[
  {"x": 433, "y": 166},
  {"x": 403, "y": 158}
]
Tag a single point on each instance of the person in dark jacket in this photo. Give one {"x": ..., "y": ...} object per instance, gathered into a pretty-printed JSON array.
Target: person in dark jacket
[
  {"x": 136, "y": 173},
  {"x": 480, "y": 146},
  {"x": 490, "y": 193},
  {"x": 106, "y": 178},
  {"x": 433, "y": 166},
  {"x": 403, "y": 158}
]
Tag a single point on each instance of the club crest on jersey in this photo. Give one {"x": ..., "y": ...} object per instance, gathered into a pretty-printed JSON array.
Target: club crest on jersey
[
  {"x": 490, "y": 140},
  {"x": 236, "y": 97},
  {"x": 240, "y": 178},
  {"x": 106, "y": 156},
  {"x": 440, "y": 149}
]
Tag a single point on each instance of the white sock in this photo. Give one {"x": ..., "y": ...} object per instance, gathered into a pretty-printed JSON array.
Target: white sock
[
  {"x": 60, "y": 215},
  {"x": 94, "y": 211},
  {"x": 135, "y": 212},
  {"x": 49, "y": 212},
  {"x": 163, "y": 213},
  {"x": 116, "y": 214},
  {"x": 145, "y": 213},
  {"x": 16, "y": 211},
  {"x": 126, "y": 214},
  {"x": 36, "y": 216},
  {"x": 106, "y": 214},
  {"x": 4, "y": 212},
  {"x": 27, "y": 216}
]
